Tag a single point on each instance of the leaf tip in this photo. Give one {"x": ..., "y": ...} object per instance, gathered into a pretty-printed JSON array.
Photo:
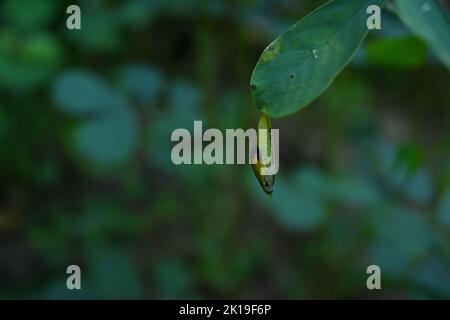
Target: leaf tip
[{"x": 271, "y": 52}]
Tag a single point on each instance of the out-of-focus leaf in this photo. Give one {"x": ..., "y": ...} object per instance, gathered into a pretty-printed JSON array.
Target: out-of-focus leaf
[
  {"x": 222, "y": 269},
  {"x": 108, "y": 137},
  {"x": 444, "y": 210},
  {"x": 393, "y": 27},
  {"x": 101, "y": 220},
  {"x": 110, "y": 274},
  {"x": 118, "y": 267},
  {"x": 184, "y": 104},
  {"x": 418, "y": 186},
  {"x": 232, "y": 103},
  {"x": 136, "y": 14},
  {"x": 143, "y": 82},
  {"x": 403, "y": 53},
  {"x": 403, "y": 170},
  {"x": 299, "y": 65},
  {"x": 402, "y": 236},
  {"x": 57, "y": 290},
  {"x": 27, "y": 63},
  {"x": 352, "y": 191},
  {"x": 184, "y": 109},
  {"x": 173, "y": 279},
  {"x": 108, "y": 140},
  {"x": 100, "y": 31},
  {"x": 433, "y": 276},
  {"x": 23, "y": 13},
  {"x": 42, "y": 48},
  {"x": 80, "y": 92},
  {"x": 184, "y": 97},
  {"x": 381, "y": 254},
  {"x": 19, "y": 77},
  {"x": 410, "y": 156},
  {"x": 298, "y": 202},
  {"x": 428, "y": 20}
]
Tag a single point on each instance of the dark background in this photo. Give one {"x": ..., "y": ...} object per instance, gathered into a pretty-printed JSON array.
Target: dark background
[{"x": 86, "y": 176}]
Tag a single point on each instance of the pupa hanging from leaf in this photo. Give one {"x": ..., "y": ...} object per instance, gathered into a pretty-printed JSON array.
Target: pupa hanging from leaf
[{"x": 263, "y": 156}]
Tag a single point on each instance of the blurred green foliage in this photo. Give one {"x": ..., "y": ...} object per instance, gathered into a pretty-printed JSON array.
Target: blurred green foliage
[
  {"x": 407, "y": 52},
  {"x": 430, "y": 22},
  {"x": 86, "y": 176}
]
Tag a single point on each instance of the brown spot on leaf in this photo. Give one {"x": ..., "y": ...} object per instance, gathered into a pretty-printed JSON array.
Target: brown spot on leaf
[{"x": 271, "y": 52}]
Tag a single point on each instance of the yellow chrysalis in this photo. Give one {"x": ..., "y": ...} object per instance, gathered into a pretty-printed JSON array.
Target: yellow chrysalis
[{"x": 262, "y": 155}]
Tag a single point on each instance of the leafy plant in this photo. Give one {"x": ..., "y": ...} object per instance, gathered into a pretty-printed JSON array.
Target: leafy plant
[{"x": 298, "y": 66}]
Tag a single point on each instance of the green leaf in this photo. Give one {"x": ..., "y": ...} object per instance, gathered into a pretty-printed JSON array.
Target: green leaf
[
  {"x": 402, "y": 236},
  {"x": 299, "y": 65},
  {"x": 143, "y": 82},
  {"x": 112, "y": 274},
  {"x": 402, "y": 53},
  {"x": 444, "y": 210},
  {"x": 27, "y": 62},
  {"x": 352, "y": 190},
  {"x": 427, "y": 19},
  {"x": 24, "y": 14},
  {"x": 100, "y": 32},
  {"x": 135, "y": 14},
  {"x": 299, "y": 203},
  {"x": 172, "y": 278},
  {"x": 433, "y": 275},
  {"x": 108, "y": 133},
  {"x": 109, "y": 140},
  {"x": 183, "y": 109},
  {"x": 79, "y": 92}
]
